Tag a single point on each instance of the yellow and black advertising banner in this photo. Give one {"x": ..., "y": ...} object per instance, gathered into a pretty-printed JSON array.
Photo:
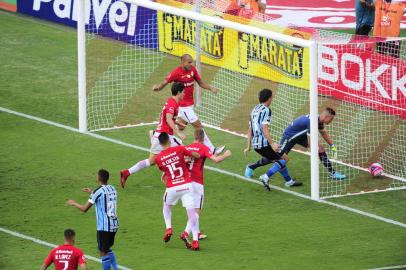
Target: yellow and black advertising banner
[{"x": 236, "y": 51}]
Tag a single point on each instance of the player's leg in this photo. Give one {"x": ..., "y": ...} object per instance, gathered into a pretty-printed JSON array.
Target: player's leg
[
  {"x": 140, "y": 165},
  {"x": 110, "y": 253},
  {"x": 249, "y": 170},
  {"x": 193, "y": 217},
  {"x": 102, "y": 239},
  {"x": 155, "y": 149},
  {"x": 328, "y": 165},
  {"x": 188, "y": 115},
  {"x": 167, "y": 212},
  {"x": 278, "y": 166},
  {"x": 198, "y": 199}
]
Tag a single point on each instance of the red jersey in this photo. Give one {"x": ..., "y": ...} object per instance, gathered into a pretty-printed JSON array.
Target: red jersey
[
  {"x": 170, "y": 107},
  {"x": 188, "y": 78},
  {"x": 196, "y": 165},
  {"x": 172, "y": 162},
  {"x": 65, "y": 257}
]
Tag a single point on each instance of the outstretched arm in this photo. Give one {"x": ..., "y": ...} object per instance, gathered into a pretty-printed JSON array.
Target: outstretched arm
[
  {"x": 204, "y": 85},
  {"x": 326, "y": 137},
  {"x": 82, "y": 207},
  {"x": 44, "y": 266},
  {"x": 158, "y": 87},
  {"x": 222, "y": 157},
  {"x": 83, "y": 266},
  {"x": 249, "y": 138}
]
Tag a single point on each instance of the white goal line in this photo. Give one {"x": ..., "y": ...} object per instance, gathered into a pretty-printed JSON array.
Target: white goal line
[{"x": 100, "y": 137}]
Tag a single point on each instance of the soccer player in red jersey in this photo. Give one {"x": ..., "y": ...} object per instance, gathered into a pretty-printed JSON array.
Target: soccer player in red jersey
[
  {"x": 66, "y": 256},
  {"x": 187, "y": 74},
  {"x": 196, "y": 167},
  {"x": 172, "y": 162},
  {"x": 166, "y": 124}
]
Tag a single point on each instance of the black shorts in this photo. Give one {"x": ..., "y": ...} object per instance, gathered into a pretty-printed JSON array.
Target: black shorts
[
  {"x": 287, "y": 144},
  {"x": 268, "y": 152},
  {"x": 105, "y": 240}
]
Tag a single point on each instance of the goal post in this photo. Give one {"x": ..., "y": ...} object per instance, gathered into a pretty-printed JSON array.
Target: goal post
[{"x": 127, "y": 47}]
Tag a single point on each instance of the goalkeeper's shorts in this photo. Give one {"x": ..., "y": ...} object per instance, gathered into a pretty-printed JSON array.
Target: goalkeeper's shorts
[{"x": 288, "y": 143}]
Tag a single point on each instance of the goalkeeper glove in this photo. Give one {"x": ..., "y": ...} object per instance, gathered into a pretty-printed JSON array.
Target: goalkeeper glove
[{"x": 333, "y": 150}]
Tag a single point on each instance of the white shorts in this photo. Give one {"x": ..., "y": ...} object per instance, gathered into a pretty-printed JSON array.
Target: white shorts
[
  {"x": 156, "y": 148},
  {"x": 198, "y": 195},
  {"x": 188, "y": 114},
  {"x": 183, "y": 192}
]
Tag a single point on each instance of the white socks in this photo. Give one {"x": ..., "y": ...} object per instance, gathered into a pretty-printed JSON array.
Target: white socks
[
  {"x": 207, "y": 142},
  {"x": 139, "y": 166},
  {"x": 193, "y": 223},
  {"x": 167, "y": 216}
]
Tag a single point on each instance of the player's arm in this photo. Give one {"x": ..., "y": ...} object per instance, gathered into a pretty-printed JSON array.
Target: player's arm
[
  {"x": 47, "y": 262},
  {"x": 206, "y": 86},
  {"x": 220, "y": 158},
  {"x": 190, "y": 153},
  {"x": 326, "y": 137},
  {"x": 267, "y": 135},
  {"x": 158, "y": 87},
  {"x": 171, "y": 123},
  {"x": 249, "y": 139},
  {"x": 82, "y": 207},
  {"x": 83, "y": 266}
]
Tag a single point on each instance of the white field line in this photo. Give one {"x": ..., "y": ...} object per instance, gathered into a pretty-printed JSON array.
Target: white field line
[
  {"x": 100, "y": 137},
  {"x": 38, "y": 241},
  {"x": 390, "y": 267}
]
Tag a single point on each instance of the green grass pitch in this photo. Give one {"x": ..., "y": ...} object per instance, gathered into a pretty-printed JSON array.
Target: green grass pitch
[{"x": 41, "y": 166}]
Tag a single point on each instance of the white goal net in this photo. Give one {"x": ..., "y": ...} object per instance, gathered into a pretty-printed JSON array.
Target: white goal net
[{"x": 129, "y": 48}]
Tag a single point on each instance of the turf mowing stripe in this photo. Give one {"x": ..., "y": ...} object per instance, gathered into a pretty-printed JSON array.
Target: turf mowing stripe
[
  {"x": 97, "y": 136},
  {"x": 390, "y": 267},
  {"x": 38, "y": 241}
]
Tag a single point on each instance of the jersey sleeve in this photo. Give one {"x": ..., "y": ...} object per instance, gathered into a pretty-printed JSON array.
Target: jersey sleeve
[
  {"x": 196, "y": 75},
  {"x": 171, "y": 76},
  {"x": 95, "y": 196},
  {"x": 207, "y": 152},
  {"x": 267, "y": 117},
  {"x": 49, "y": 259},
  {"x": 81, "y": 257}
]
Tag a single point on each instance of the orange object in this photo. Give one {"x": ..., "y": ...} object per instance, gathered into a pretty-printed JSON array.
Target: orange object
[{"x": 387, "y": 18}]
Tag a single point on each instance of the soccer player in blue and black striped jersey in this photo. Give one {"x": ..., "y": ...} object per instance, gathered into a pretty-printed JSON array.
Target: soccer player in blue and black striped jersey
[
  {"x": 105, "y": 200},
  {"x": 260, "y": 139}
]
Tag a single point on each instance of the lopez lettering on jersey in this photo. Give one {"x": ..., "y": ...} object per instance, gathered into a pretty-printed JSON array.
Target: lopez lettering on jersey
[
  {"x": 65, "y": 257},
  {"x": 260, "y": 115},
  {"x": 172, "y": 162},
  {"x": 188, "y": 78},
  {"x": 105, "y": 200}
]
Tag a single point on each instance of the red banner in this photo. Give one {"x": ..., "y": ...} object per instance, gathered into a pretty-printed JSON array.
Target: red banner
[{"x": 363, "y": 76}]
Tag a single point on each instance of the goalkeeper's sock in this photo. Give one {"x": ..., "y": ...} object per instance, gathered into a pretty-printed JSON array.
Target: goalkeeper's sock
[
  {"x": 276, "y": 167},
  {"x": 284, "y": 172},
  {"x": 106, "y": 262},
  {"x": 326, "y": 162},
  {"x": 207, "y": 142},
  {"x": 262, "y": 162},
  {"x": 113, "y": 260},
  {"x": 139, "y": 166}
]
